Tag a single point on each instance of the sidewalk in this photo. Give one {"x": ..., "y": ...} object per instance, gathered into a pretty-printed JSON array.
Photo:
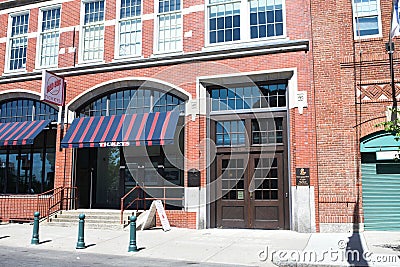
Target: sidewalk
[{"x": 228, "y": 246}]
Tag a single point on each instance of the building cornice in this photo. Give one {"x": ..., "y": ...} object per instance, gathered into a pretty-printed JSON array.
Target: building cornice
[
  {"x": 284, "y": 46},
  {"x": 18, "y": 3}
]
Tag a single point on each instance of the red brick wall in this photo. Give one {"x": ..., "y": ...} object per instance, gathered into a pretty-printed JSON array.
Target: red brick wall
[
  {"x": 345, "y": 119},
  {"x": 20, "y": 208},
  {"x": 63, "y": 171},
  {"x": 179, "y": 218}
]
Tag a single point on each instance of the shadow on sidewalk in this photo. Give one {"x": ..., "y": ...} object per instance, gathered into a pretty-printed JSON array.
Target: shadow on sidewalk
[{"x": 355, "y": 253}]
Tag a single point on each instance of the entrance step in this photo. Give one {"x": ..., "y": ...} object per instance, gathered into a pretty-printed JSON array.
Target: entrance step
[{"x": 94, "y": 219}]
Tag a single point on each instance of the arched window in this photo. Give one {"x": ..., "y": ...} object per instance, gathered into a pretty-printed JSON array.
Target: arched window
[
  {"x": 131, "y": 101},
  {"x": 24, "y": 109},
  {"x": 29, "y": 168}
]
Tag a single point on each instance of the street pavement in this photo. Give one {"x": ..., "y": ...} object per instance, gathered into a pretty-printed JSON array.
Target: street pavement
[{"x": 209, "y": 247}]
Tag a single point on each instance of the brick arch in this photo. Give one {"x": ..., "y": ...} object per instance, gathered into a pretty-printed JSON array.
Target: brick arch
[
  {"x": 369, "y": 127},
  {"x": 108, "y": 86},
  {"x": 22, "y": 93}
]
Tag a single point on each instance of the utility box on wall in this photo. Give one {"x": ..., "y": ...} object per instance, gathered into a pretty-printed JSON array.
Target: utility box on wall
[{"x": 193, "y": 178}]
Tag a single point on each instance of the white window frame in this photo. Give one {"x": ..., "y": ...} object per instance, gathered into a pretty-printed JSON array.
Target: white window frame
[
  {"x": 117, "y": 31},
  {"x": 245, "y": 36},
  {"x": 82, "y": 35},
  {"x": 39, "y": 40},
  {"x": 157, "y": 30},
  {"x": 355, "y": 28},
  {"x": 8, "y": 44}
]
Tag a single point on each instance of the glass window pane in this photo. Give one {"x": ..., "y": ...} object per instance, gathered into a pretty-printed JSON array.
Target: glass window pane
[
  {"x": 18, "y": 42},
  {"x": 93, "y": 31},
  {"x": 251, "y": 97},
  {"x": 266, "y": 19},
  {"x": 366, "y": 16}
]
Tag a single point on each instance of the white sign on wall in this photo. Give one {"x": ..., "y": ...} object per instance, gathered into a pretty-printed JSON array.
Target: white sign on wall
[
  {"x": 52, "y": 88},
  {"x": 301, "y": 100}
]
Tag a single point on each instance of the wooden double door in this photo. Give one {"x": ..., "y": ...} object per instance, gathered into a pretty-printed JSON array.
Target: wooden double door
[{"x": 254, "y": 191}]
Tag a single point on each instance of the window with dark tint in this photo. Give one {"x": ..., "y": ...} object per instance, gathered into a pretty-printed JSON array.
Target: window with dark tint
[
  {"x": 266, "y": 131},
  {"x": 230, "y": 133},
  {"x": 266, "y": 18},
  {"x": 26, "y": 110},
  {"x": 29, "y": 169},
  {"x": 232, "y": 179},
  {"x": 18, "y": 41},
  {"x": 266, "y": 178},
  {"x": 248, "y": 97},
  {"x": 224, "y": 21}
]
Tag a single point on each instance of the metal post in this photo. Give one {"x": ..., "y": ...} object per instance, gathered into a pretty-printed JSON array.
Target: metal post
[
  {"x": 35, "y": 235},
  {"x": 81, "y": 241},
  {"x": 390, "y": 50},
  {"x": 132, "y": 241},
  {"x": 91, "y": 188}
]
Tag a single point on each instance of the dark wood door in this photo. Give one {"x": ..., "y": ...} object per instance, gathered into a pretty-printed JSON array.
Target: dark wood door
[
  {"x": 232, "y": 180},
  {"x": 252, "y": 189},
  {"x": 266, "y": 192}
]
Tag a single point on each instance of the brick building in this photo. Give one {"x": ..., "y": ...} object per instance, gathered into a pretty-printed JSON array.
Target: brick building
[
  {"x": 357, "y": 177},
  {"x": 230, "y": 111}
]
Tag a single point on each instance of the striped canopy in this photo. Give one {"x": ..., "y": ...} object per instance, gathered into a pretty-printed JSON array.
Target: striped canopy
[
  {"x": 20, "y": 133},
  {"x": 156, "y": 128}
]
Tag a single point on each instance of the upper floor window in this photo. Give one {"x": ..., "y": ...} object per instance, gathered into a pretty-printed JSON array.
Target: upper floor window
[
  {"x": 366, "y": 15},
  {"x": 93, "y": 31},
  {"x": 256, "y": 96},
  {"x": 18, "y": 42},
  {"x": 49, "y": 37},
  {"x": 130, "y": 28},
  {"x": 266, "y": 18},
  {"x": 18, "y": 110},
  {"x": 169, "y": 26},
  {"x": 244, "y": 20},
  {"x": 224, "y": 21}
]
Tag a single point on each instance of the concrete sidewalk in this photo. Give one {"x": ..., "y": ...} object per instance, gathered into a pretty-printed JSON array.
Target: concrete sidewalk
[{"x": 228, "y": 246}]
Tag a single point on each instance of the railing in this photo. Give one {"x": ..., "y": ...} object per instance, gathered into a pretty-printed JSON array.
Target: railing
[
  {"x": 134, "y": 200},
  {"x": 141, "y": 197},
  {"x": 21, "y": 207},
  {"x": 59, "y": 199}
]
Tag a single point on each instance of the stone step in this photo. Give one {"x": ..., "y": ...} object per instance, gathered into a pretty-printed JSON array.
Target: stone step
[
  {"x": 87, "y": 220},
  {"x": 89, "y": 216},
  {"x": 88, "y": 225},
  {"x": 94, "y": 219}
]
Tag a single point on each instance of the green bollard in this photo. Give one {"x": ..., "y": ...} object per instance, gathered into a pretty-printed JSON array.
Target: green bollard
[
  {"x": 132, "y": 241},
  {"x": 81, "y": 241},
  {"x": 35, "y": 235}
]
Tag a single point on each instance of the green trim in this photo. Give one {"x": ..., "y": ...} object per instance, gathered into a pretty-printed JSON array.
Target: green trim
[{"x": 380, "y": 141}]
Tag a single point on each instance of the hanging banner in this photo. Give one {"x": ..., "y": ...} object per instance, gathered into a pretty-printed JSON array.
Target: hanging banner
[{"x": 52, "y": 88}]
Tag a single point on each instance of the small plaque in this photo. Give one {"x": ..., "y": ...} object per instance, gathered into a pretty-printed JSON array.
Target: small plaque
[
  {"x": 302, "y": 176},
  {"x": 240, "y": 195}
]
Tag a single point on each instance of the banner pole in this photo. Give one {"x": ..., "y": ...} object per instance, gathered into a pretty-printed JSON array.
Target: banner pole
[{"x": 62, "y": 129}]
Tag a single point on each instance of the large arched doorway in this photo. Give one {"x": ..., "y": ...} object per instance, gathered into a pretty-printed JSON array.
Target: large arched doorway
[
  {"x": 105, "y": 173},
  {"x": 380, "y": 170}
]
